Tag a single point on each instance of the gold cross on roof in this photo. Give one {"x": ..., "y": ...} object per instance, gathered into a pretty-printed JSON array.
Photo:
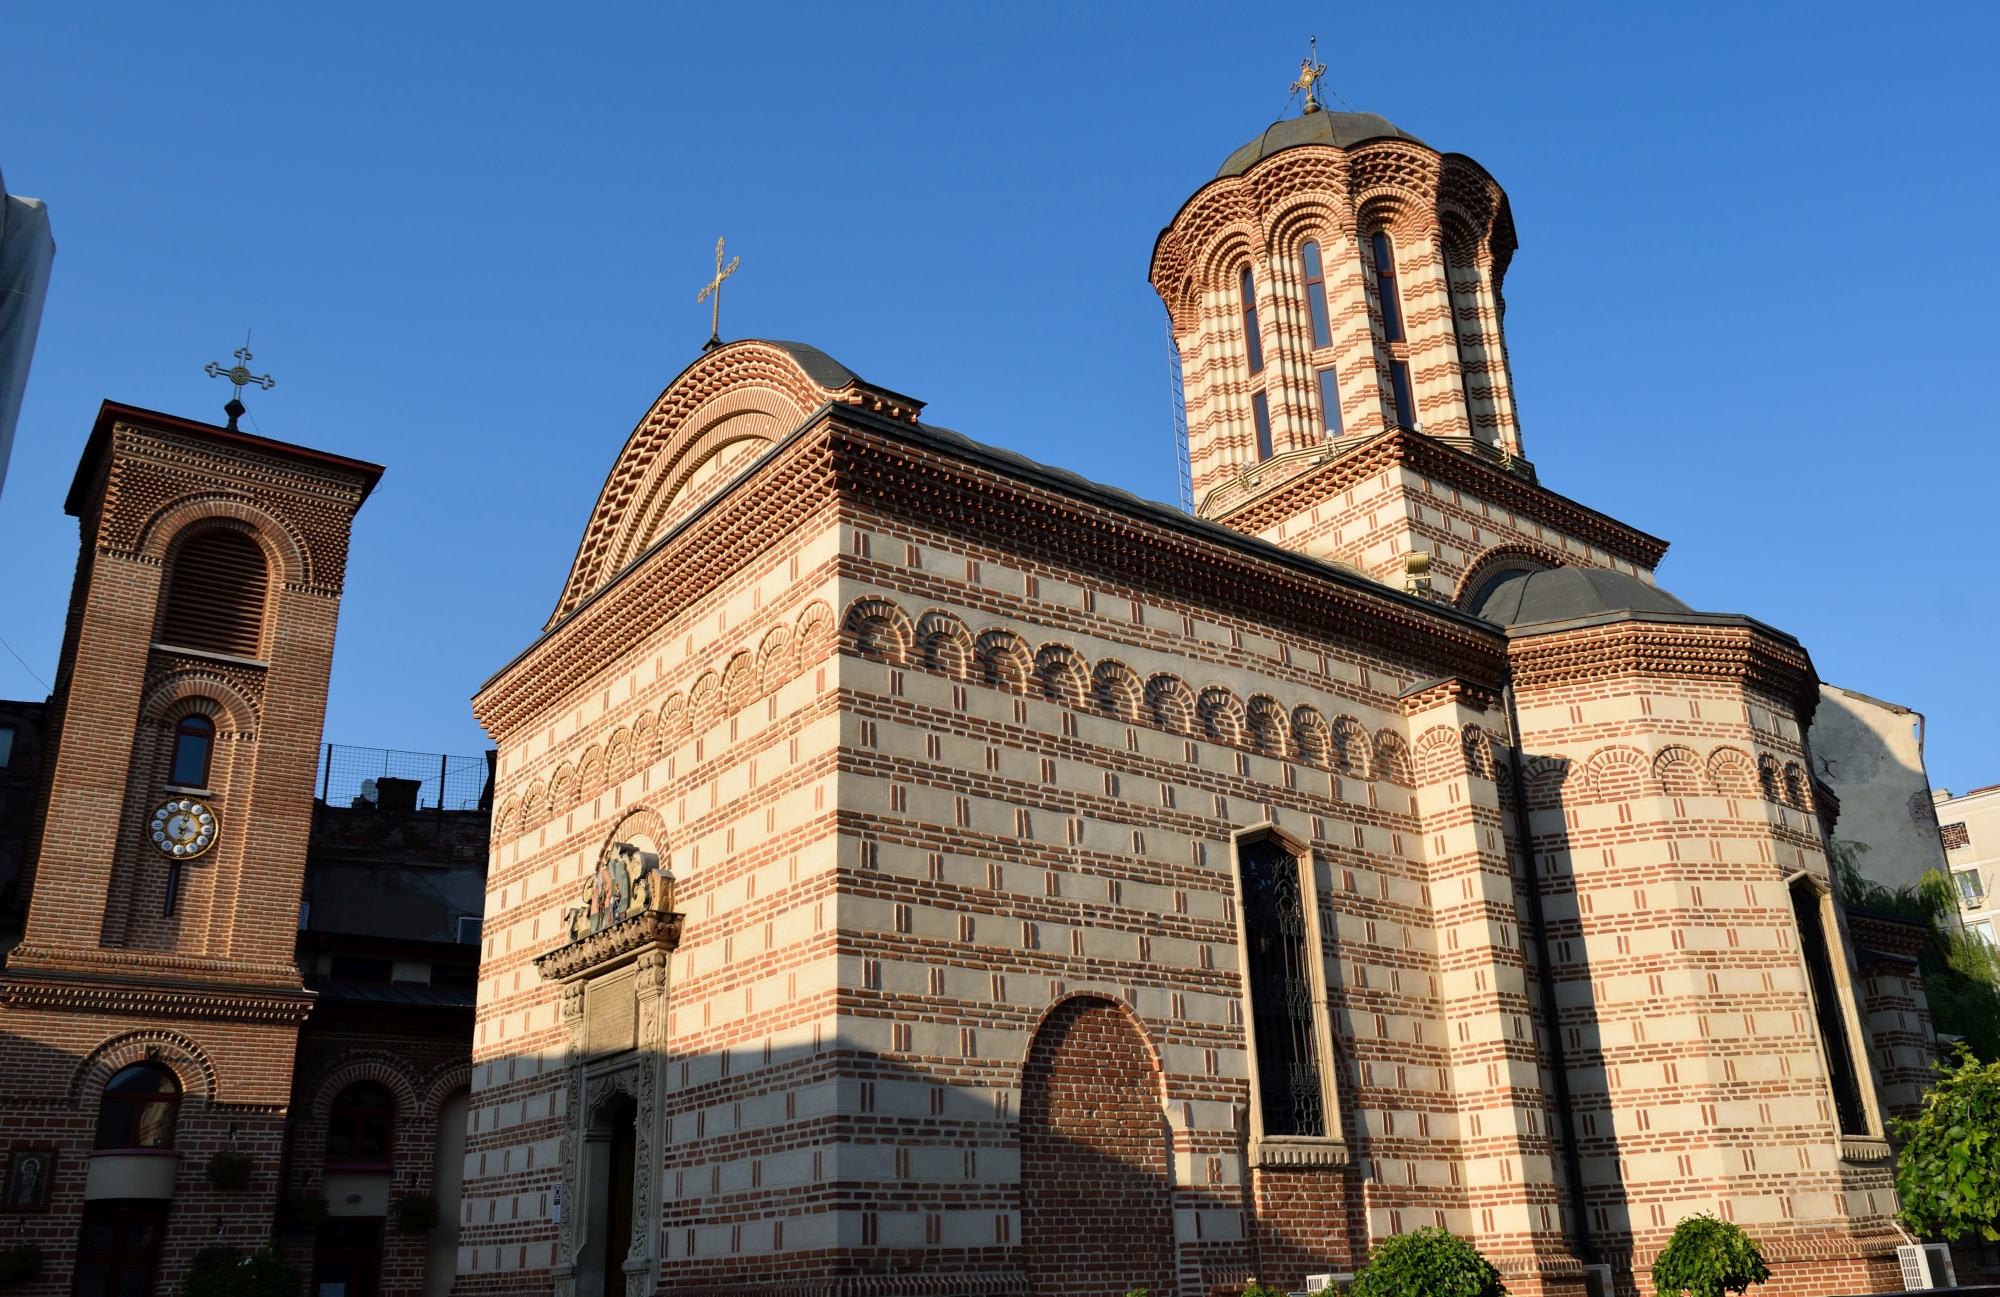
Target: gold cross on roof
[
  {"x": 1310, "y": 71},
  {"x": 715, "y": 287},
  {"x": 239, "y": 374}
]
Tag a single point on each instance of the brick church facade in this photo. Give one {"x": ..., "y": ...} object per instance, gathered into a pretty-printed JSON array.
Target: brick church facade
[{"x": 918, "y": 870}]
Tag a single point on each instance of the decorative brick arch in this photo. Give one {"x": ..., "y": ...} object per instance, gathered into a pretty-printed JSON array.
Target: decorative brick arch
[
  {"x": 878, "y": 628},
  {"x": 618, "y": 752},
  {"x": 202, "y": 691},
  {"x": 1678, "y": 771},
  {"x": 1482, "y": 752},
  {"x": 1524, "y": 556},
  {"x": 814, "y": 632},
  {"x": 1353, "y": 753},
  {"x": 1117, "y": 690},
  {"x": 1269, "y": 727},
  {"x": 1546, "y": 777},
  {"x": 1171, "y": 703},
  {"x": 1440, "y": 755},
  {"x": 705, "y": 700},
  {"x": 739, "y": 681},
  {"x": 1312, "y": 737},
  {"x": 1096, "y": 1169},
  {"x": 777, "y": 661},
  {"x": 590, "y": 771},
  {"x": 635, "y": 820},
  {"x": 1391, "y": 763},
  {"x": 1064, "y": 674},
  {"x": 1221, "y": 715},
  {"x": 1004, "y": 659},
  {"x": 1732, "y": 773},
  {"x": 161, "y": 535},
  {"x": 1616, "y": 774},
  {"x": 368, "y": 1065},
  {"x": 176, "y": 1051},
  {"x": 945, "y": 644}
]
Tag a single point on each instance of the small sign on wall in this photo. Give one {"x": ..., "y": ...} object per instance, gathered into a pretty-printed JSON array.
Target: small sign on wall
[{"x": 30, "y": 1171}]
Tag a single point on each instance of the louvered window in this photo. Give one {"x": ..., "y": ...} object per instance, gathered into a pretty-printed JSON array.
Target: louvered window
[{"x": 216, "y": 597}]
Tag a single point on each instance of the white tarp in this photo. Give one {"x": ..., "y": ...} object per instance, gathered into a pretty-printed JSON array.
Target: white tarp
[{"x": 27, "y": 251}]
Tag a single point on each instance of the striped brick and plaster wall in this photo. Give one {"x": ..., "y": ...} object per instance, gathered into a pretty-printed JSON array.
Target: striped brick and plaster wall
[{"x": 954, "y": 763}]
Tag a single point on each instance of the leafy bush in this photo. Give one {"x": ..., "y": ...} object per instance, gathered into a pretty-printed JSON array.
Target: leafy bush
[
  {"x": 1257, "y": 1288},
  {"x": 1432, "y": 1262},
  {"x": 1961, "y": 973},
  {"x": 222, "y": 1272},
  {"x": 20, "y": 1263},
  {"x": 414, "y": 1214},
  {"x": 229, "y": 1169},
  {"x": 1948, "y": 1174},
  {"x": 1707, "y": 1257}
]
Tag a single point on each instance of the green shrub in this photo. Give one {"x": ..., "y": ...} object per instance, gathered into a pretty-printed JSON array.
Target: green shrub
[
  {"x": 222, "y": 1272},
  {"x": 1431, "y": 1262},
  {"x": 20, "y": 1263},
  {"x": 1707, "y": 1257},
  {"x": 1258, "y": 1288},
  {"x": 1948, "y": 1173}
]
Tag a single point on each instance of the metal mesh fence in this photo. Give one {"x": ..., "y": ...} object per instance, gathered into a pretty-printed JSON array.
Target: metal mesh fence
[{"x": 354, "y": 776}]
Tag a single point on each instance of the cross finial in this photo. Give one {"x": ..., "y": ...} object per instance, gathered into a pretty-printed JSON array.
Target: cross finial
[
  {"x": 715, "y": 287},
  {"x": 239, "y": 374},
  {"x": 1310, "y": 71}
]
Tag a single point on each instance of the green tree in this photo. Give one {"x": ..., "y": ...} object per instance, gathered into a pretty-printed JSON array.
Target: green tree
[
  {"x": 1707, "y": 1257},
  {"x": 1430, "y": 1262},
  {"x": 1960, "y": 972},
  {"x": 224, "y": 1272},
  {"x": 1948, "y": 1174}
]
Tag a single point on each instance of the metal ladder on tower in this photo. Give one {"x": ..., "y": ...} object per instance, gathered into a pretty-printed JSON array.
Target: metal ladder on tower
[{"x": 1177, "y": 397}]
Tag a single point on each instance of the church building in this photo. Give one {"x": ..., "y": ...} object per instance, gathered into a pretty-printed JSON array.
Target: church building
[{"x": 922, "y": 871}]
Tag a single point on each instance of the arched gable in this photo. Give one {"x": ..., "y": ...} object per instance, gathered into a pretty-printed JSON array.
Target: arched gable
[{"x": 712, "y": 422}]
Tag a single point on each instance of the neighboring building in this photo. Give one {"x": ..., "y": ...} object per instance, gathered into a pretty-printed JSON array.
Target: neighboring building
[
  {"x": 21, "y": 725},
  {"x": 27, "y": 254},
  {"x": 388, "y": 943},
  {"x": 151, "y": 1011},
  {"x": 921, "y": 871},
  {"x": 1871, "y": 754},
  {"x": 1969, "y": 827}
]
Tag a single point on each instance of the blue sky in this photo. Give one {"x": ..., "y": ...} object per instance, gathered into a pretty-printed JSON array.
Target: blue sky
[{"x": 1745, "y": 315}]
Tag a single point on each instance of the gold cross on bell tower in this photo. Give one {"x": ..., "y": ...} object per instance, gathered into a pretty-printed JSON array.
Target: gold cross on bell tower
[
  {"x": 239, "y": 374},
  {"x": 1310, "y": 71},
  {"x": 715, "y": 287}
]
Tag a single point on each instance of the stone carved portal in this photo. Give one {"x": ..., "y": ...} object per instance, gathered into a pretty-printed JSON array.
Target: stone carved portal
[
  {"x": 614, "y": 976},
  {"x": 1096, "y": 1206}
]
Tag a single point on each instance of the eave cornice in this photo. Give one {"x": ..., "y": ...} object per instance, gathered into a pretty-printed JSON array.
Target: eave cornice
[
  {"x": 1402, "y": 448},
  {"x": 1713, "y": 647}
]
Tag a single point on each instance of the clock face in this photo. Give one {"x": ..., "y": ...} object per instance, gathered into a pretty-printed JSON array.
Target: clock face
[{"x": 183, "y": 828}]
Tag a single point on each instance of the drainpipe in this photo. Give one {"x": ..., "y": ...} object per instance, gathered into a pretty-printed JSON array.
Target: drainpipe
[{"x": 1545, "y": 970}]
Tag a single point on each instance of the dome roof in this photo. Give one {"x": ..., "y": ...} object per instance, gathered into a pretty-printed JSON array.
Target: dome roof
[
  {"x": 1566, "y": 593},
  {"x": 1342, "y": 130}
]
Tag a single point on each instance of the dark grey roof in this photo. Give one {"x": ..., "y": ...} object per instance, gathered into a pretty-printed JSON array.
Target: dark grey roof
[
  {"x": 1342, "y": 130},
  {"x": 1566, "y": 593},
  {"x": 415, "y": 994},
  {"x": 820, "y": 367}
]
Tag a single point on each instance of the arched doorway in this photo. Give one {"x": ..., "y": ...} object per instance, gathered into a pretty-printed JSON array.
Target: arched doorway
[
  {"x": 610, "y": 1166},
  {"x": 1096, "y": 1210}
]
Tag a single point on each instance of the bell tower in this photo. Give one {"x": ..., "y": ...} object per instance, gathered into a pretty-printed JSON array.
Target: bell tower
[{"x": 1336, "y": 295}]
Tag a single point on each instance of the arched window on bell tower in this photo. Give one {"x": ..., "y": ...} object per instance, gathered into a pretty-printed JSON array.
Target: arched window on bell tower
[
  {"x": 1253, "y": 342},
  {"x": 1392, "y": 328},
  {"x": 215, "y": 595}
]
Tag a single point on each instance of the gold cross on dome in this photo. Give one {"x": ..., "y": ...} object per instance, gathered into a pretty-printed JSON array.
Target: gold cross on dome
[
  {"x": 239, "y": 374},
  {"x": 715, "y": 287},
  {"x": 1310, "y": 71}
]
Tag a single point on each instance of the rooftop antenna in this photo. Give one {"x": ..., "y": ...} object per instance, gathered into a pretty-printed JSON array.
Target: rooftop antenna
[
  {"x": 239, "y": 374},
  {"x": 1310, "y": 71},
  {"x": 715, "y": 287}
]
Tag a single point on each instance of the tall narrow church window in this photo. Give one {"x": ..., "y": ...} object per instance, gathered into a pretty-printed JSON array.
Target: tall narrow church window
[
  {"x": 1261, "y": 408},
  {"x": 215, "y": 599},
  {"x": 138, "y": 1108},
  {"x": 1392, "y": 328},
  {"x": 1316, "y": 294},
  {"x": 1253, "y": 342},
  {"x": 1329, "y": 400},
  {"x": 1458, "y": 346},
  {"x": 1839, "y": 1055},
  {"x": 1281, "y": 998},
  {"x": 194, "y": 743}
]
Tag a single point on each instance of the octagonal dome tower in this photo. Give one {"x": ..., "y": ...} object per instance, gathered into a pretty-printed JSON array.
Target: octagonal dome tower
[{"x": 1338, "y": 277}]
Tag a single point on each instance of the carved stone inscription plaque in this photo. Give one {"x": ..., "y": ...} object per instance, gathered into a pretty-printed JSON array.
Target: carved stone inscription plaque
[{"x": 611, "y": 1013}]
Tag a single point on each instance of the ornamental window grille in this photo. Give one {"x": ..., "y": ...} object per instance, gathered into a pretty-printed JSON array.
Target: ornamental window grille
[{"x": 1281, "y": 997}]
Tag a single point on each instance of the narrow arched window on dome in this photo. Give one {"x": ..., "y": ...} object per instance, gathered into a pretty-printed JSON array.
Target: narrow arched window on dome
[
  {"x": 1260, "y": 410},
  {"x": 1316, "y": 294},
  {"x": 1392, "y": 327},
  {"x": 1328, "y": 380},
  {"x": 194, "y": 744},
  {"x": 1253, "y": 342}
]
